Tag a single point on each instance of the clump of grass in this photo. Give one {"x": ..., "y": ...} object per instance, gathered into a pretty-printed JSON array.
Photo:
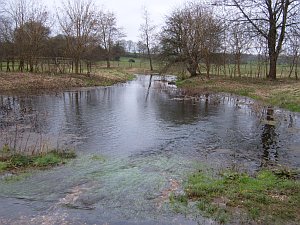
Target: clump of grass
[
  {"x": 179, "y": 203},
  {"x": 99, "y": 158},
  {"x": 3, "y": 166},
  {"x": 267, "y": 198},
  {"x": 49, "y": 159}
]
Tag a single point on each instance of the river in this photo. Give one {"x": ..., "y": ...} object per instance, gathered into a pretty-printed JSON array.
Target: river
[{"x": 136, "y": 144}]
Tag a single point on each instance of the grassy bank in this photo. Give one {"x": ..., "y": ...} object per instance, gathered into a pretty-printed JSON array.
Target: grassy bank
[
  {"x": 33, "y": 83},
  {"x": 284, "y": 93},
  {"x": 16, "y": 162},
  {"x": 267, "y": 198}
]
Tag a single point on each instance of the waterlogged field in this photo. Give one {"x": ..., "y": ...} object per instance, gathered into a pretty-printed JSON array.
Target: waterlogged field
[
  {"x": 284, "y": 93},
  {"x": 138, "y": 147}
]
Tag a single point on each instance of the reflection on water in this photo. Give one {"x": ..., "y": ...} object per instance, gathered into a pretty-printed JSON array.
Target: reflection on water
[
  {"x": 268, "y": 139},
  {"x": 135, "y": 141}
]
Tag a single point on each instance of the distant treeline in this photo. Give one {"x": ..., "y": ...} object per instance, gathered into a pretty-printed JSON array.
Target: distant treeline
[{"x": 196, "y": 38}]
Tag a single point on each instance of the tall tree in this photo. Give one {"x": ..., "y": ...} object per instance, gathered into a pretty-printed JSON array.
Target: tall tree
[
  {"x": 56, "y": 46},
  {"x": 31, "y": 38},
  {"x": 109, "y": 34},
  {"x": 27, "y": 24},
  {"x": 191, "y": 34},
  {"x": 270, "y": 19},
  {"x": 148, "y": 35},
  {"x": 78, "y": 20}
]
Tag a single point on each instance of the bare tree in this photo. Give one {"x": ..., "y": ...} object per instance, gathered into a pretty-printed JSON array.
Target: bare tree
[
  {"x": 239, "y": 42},
  {"x": 211, "y": 41},
  {"x": 6, "y": 30},
  {"x": 26, "y": 25},
  {"x": 147, "y": 35},
  {"x": 293, "y": 51},
  {"x": 78, "y": 20},
  {"x": 5, "y": 24},
  {"x": 2, "y": 4},
  {"x": 191, "y": 34},
  {"x": 270, "y": 19},
  {"x": 31, "y": 38},
  {"x": 141, "y": 48},
  {"x": 108, "y": 34},
  {"x": 129, "y": 46}
]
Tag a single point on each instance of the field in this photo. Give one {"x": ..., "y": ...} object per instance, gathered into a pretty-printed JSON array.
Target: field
[
  {"x": 253, "y": 70},
  {"x": 64, "y": 65}
]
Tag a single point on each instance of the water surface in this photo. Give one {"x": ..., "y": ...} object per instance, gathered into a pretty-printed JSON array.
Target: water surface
[{"x": 135, "y": 146}]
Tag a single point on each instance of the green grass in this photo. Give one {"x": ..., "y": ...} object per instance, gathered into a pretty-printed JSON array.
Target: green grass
[
  {"x": 251, "y": 70},
  {"x": 123, "y": 63},
  {"x": 19, "y": 161},
  {"x": 50, "y": 159},
  {"x": 266, "y": 198},
  {"x": 288, "y": 99},
  {"x": 3, "y": 166}
]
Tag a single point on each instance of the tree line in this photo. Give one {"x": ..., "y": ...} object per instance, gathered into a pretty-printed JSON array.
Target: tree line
[
  {"x": 211, "y": 33},
  {"x": 83, "y": 32},
  {"x": 195, "y": 36}
]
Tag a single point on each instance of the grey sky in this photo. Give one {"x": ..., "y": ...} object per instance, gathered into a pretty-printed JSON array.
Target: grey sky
[{"x": 129, "y": 12}]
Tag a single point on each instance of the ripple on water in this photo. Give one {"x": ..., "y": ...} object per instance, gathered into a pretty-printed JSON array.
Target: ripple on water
[{"x": 136, "y": 146}]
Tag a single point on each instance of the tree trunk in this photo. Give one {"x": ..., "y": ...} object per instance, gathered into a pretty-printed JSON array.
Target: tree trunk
[
  {"x": 107, "y": 62},
  {"x": 151, "y": 66},
  {"x": 76, "y": 66},
  {"x": 150, "y": 58},
  {"x": 238, "y": 61},
  {"x": 207, "y": 70},
  {"x": 192, "y": 68},
  {"x": 31, "y": 66},
  {"x": 21, "y": 66},
  {"x": 108, "y": 57},
  {"x": 273, "y": 66},
  {"x": 7, "y": 65},
  {"x": 273, "y": 51}
]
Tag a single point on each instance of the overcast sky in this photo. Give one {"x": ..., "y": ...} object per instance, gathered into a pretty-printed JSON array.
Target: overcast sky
[{"x": 129, "y": 12}]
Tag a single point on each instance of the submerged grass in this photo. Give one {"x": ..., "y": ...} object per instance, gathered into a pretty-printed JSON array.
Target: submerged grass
[
  {"x": 98, "y": 158},
  {"x": 266, "y": 198},
  {"x": 45, "y": 160},
  {"x": 284, "y": 93}
]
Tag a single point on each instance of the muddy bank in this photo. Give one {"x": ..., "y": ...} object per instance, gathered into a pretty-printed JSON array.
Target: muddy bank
[{"x": 32, "y": 83}]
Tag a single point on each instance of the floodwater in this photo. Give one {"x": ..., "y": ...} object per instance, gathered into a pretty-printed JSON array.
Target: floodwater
[{"x": 136, "y": 144}]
